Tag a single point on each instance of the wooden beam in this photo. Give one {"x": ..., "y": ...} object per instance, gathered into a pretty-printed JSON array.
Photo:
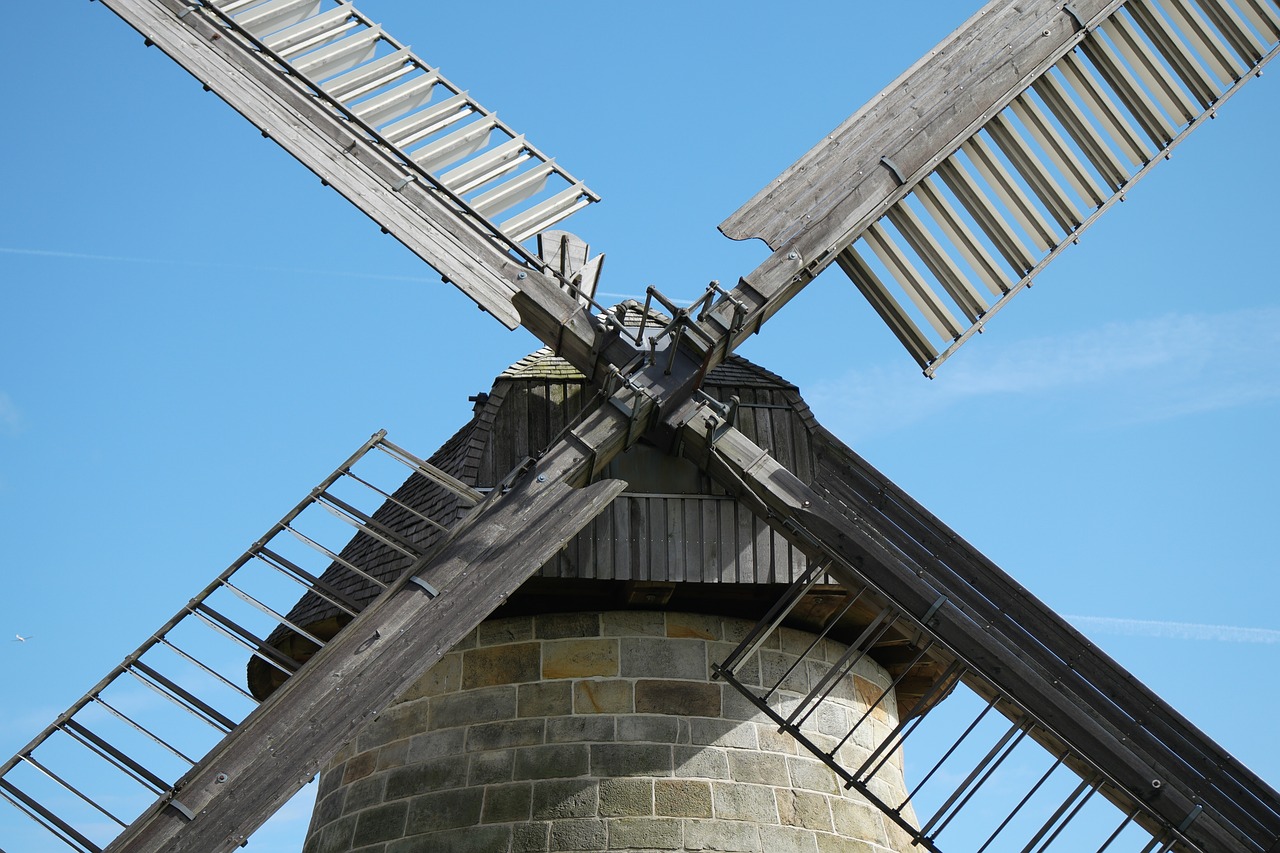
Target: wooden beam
[
  {"x": 288, "y": 738},
  {"x": 1112, "y": 731}
]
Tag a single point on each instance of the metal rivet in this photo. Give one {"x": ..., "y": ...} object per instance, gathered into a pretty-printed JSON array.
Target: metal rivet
[
  {"x": 220, "y": 778},
  {"x": 791, "y": 256},
  {"x": 522, "y": 276},
  {"x": 542, "y": 478}
]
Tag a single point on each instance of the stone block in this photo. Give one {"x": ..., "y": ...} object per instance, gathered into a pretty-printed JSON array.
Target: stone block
[
  {"x": 507, "y": 803},
  {"x": 630, "y": 759},
  {"x": 762, "y": 768},
  {"x": 359, "y": 766},
  {"x": 444, "y": 677},
  {"x": 580, "y": 658},
  {"x": 858, "y": 820},
  {"x": 514, "y": 663},
  {"x": 426, "y": 776},
  {"x": 552, "y": 761},
  {"x": 602, "y": 696},
  {"x": 583, "y": 728},
  {"x": 778, "y": 668},
  {"x": 701, "y": 762},
  {"x": 739, "y": 707},
  {"x": 332, "y": 838},
  {"x": 500, "y": 631},
  {"x": 723, "y": 733},
  {"x": 488, "y": 768},
  {"x": 470, "y": 839},
  {"x": 367, "y": 792},
  {"x": 682, "y": 698},
  {"x": 631, "y": 833},
  {"x": 626, "y": 797},
  {"x": 544, "y": 699},
  {"x": 395, "y": 723},
  {"x": 329, "y": 808},
  {"x": 643, "y": 657},
  {"x": 633, "y": 623},
  {"x": 694, "y": 626},
  {"x": 531, "y": 837},
  {"x": 557, "y": 799},
  {"x": 804, "y": 808},
  {"x": 772, "y": 740},
  {"x": 587, "y": 834},
  {"x": 738, "y": 801},
  {"x": 435, "y": 744},
  {"x": 559, "y": 626},
  {"x": 506, "y": 734},
  {"x": 787, "y": 839},
  {"x": 650, "y": 729},
  {"x": 682, "y": 798},
  {"x": 721, "y": 835},
  {"x": 474, "y": 706},
  {"x": 393, "y": 754},
  {"x": 445, "y": 810},
  {"x": 330, "y": 780},
  {"x": 382, "y": 823},
  {"x": 868, "y": 692},
  {"x": 811, "y": 775},
  {"x": 840, "y": 844}
]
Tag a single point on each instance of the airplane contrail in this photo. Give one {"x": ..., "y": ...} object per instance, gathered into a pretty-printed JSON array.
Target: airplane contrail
[
  {"x": 122, "y": 259},
  {"x": 1174, "y": 630}
]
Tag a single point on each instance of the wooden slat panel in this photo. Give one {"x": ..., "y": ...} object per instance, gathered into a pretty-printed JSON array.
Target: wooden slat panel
[
  {"x": 1077, "y": 125},
  {"x": 961, "y": 237},
  {"x": 1134, "y": 48},
  {"x": 902, "y": 326},
  {"x": 1033, "y": 170},
  {"x": 1205, "y": 39},
  {"x": 1007, "y": 243},
  {"x": 1129, "y": 90},
  {"x": 1100, "y": 105},
  {"x": 935, "y": 312},
  {"x": 1063, "y": 156},
  {"x": 1180, "y": 58},
  {"x": 939, "y": 262},
  {"x": 1010, "y": 193}
]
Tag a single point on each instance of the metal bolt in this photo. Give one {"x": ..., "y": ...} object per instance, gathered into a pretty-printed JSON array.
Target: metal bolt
[
  {"x": 522, "y": 276},
  {"x": 791, "y": 256},
  {"x": 1156, "y": 783},
  {"x": 1046, "y": 33},
  {"x": 220, "y": 778},
  {"x": 542, "y": 478}
]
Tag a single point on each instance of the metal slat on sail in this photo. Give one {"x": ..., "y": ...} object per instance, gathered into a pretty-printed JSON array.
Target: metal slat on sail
[
  {"x": 458, "y": 145},
  {"x": 340, "y": 56},
  {"x": 1057, "y": 148},
  {"x": 514, "y": 190},
  {"x": 1074, "y": 121},
  {"x": 1155, "y": 78},
  {"x": 313, "y": 32},
  {"x": 369, "y": 76},
  {"x": 1136, "y": 99},
  {"x": 962, "y": 237},
  {"x": 1237, "y": 33},
  {"x": 1029, "y": 165},
  {"x": 275, "y": 15},
  {"x": 1204, "y": 39},
  {"x": 394, "y": 103},
  {"x": 902, "y": 326},
  {"x": 913, "y": 284},
  {"x": 935, "y": 257},
  {"x": 1006, "y": 241},
  {"x": 1180, "y": 58}
]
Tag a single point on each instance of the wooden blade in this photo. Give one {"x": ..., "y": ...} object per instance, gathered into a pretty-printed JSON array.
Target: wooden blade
[
  {"x": 378, "y": 130},
  {"x": 286, "y": 741},
  {"x": 1024, "y": 113},
  {"x": 1008, "y": 639}
]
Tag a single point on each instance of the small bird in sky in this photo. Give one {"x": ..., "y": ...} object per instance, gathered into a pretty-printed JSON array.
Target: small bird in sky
[{"x": 18, "y": 638}]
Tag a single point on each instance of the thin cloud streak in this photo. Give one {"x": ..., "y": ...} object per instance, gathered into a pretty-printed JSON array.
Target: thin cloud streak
[
  {"x": 84, "y": 256},
  {"x": 10, "y": 417},
  {"x": 1160, "y": 368},
  {"x": 1174, "y": 630}
]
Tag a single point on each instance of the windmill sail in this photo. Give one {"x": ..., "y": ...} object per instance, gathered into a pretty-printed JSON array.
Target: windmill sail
[
  {"x": 420, "y": 156},
  {"x": 955, "y": 186}
]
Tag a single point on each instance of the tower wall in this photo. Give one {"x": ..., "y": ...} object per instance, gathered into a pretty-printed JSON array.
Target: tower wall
[{"x": 605, "y": 732}]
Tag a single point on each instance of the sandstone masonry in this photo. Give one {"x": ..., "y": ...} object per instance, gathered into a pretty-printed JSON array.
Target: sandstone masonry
[{"x": 605, "y": 732}]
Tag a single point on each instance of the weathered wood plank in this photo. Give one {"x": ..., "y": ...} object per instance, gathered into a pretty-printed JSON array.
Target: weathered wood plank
[
  {"x": 1099, "y": 726},
  {"x": 283, "y": 743}
]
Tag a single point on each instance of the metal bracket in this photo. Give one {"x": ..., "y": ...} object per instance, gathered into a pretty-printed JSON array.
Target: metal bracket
[
  {"x": 893, "y": 167},
  {"x": 1191, "y": 818},
  {"x": 430, "y": 590},
  {"x": 182, "y": 810},
  {"x": 1075, "y": 15},
  {"x": 403, "y": 182}
]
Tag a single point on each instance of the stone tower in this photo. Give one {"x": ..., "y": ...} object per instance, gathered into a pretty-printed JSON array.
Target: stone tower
[{"x": 583, "y": 715}]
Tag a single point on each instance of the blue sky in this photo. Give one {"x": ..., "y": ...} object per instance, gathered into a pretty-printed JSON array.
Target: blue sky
[{"x": 195, "y": 332}]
